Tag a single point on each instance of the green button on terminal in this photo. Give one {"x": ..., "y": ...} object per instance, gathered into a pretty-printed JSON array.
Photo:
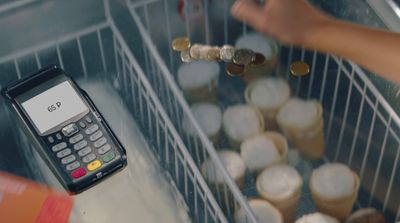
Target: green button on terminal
[{"x": 108, "y": 156}]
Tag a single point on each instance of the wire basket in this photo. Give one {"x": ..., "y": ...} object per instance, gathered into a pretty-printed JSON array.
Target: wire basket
[
  {"x": 362, "y": 130},
  {"x": 99, "y": 52}
]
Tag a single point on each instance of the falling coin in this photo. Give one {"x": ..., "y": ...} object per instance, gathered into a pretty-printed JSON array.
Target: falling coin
[
  {"x": 214, "y": 54},
  {"x": 259, "y": 59},
  {"x": 243, "y": 57},
  {"x": 180, "y": 44},
  {"x": 195, "y": 51},
  {"x": 299, "y": 68},
  {"x": 227, "y": 52},
  {"x": 234, "y": 69},
  {"x": 185, "y": 56},
  {"x": 204, "y": 52}
]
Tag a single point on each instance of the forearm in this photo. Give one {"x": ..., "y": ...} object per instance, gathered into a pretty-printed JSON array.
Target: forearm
[{"x": 376, "y": 50}]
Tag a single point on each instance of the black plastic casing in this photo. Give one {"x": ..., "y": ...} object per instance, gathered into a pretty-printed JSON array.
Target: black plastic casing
[{"x": 49, "y": 74}]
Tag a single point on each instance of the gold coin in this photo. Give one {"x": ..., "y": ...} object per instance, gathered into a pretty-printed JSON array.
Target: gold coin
[
  {"x": 234, "y": 69},
  {"x": 181, "y": 44},
  {"x": 299, "y": 68},
  {"x": 259, "y": 59},
  {"x": 195, "y": 51},
  {"x": 214, "y": 54},
  {"x": 204, "y": 52}
]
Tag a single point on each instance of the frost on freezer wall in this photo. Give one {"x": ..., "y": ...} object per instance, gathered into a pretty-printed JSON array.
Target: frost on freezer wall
[
  {"x": 140, "y": 192},
  {"x": 40, "y": 21}
]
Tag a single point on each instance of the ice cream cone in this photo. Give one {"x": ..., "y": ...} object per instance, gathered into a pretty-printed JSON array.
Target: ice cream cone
[
  {"x": 339, "y": 207},
  {"x": 287, "y": 197},
  {"x": 264, "y": 150},
  {"x": 199, "y": 80},
  {"x": 263, "y": 210},
  {"x": 232, "y": 162},
  {"x": 268, "y": 95},
  {"x": 208, "y": 117},
  {"x": 317, "y": 218},
  {"x": 308, "y": 139},
  {"x": 232, "y": 122}
]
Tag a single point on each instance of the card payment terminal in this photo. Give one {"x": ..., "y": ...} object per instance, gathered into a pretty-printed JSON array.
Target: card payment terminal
[{"x": 69, "y": 132}]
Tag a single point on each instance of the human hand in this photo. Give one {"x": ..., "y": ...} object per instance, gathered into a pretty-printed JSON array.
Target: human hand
[{"x": 289, "y": 21}]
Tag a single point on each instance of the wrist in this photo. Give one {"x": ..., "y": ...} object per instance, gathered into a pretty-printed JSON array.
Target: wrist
[{"x": 317, "y": 32}]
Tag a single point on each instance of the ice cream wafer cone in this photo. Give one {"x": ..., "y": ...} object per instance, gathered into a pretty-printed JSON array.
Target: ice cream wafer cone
[
  {"x": 268, "y": 95},
  {"x": 310, "y": 139},
  {"x": 233, "y": 123},
  {"x": 287, "y": 197},
  {"x": 339, "y": 207},
  {"x": 264, "y": 150}
]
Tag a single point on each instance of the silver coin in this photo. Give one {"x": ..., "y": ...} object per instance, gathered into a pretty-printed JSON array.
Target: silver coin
[
  {"x": 227, "y": 53},
  {"x": 195, "y": 51},
  {"x": 244, "y": 57},
  {"x": 204, "y": 50},
  {"x": 185, "y": 56}
]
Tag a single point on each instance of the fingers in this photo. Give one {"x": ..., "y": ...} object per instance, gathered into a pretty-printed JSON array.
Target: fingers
[{"x": 249, "y": 12}]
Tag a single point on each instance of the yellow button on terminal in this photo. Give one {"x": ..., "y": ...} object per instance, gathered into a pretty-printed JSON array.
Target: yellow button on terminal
[{"x": 94, "y": 165}]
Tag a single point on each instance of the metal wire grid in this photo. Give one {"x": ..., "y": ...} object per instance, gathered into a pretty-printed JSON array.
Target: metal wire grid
[
  {"x": 76, "y": 53},
  {"x": 227, "y": 194},
  {"x": 361, "y": 128}
]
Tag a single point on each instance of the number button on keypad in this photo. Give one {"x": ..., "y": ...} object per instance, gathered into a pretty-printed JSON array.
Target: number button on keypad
[
  {"x": 96, "y": 136},
  {"x": 80, "y": 145},
  {"x": 100, "y": 142},
  {"x": 68, "y": 159},
  {"x": 90, "y": 130},
  {"x": 64, "y": 153},
  {"x": 85, "y": 151},
  {"x": 73, "y": 166},
  {"x": 89, "y": 158},
  {"x": 58, "y": 136},
  {"x": 59, "y": 147},
  {"x": 76, "y": 139},
  {"x": 104, "y": 149}
]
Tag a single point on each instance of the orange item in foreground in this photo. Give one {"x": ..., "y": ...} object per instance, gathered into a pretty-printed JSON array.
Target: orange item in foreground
[{"x": 22, "y": 200}]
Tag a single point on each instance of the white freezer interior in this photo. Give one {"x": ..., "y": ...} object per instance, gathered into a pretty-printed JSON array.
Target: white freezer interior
[{"x": 125, "y": 50}]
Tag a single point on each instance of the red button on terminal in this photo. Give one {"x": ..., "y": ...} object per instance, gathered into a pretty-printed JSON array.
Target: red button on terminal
[{"x": 78, "y": 173}]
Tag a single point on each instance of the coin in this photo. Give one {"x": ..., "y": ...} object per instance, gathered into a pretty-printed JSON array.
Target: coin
[
  {"x": 204, "y": 52},
  {"x": 299, "y": 68},
  {"x": 214, "y": 54},
  {"x": 259, "y": 59},
  {"x": 180, "y": 44},
  {"x": 243, "y": 57},
  {"x": 195, "y": 51},
  {"x": 185, "y": 56},
  {"x": 234, "y": 69},
  {"x": 227, "y": 52}
]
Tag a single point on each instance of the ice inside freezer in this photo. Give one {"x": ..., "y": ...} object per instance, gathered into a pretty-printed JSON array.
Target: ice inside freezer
[{"x": 142, "y": 191}]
